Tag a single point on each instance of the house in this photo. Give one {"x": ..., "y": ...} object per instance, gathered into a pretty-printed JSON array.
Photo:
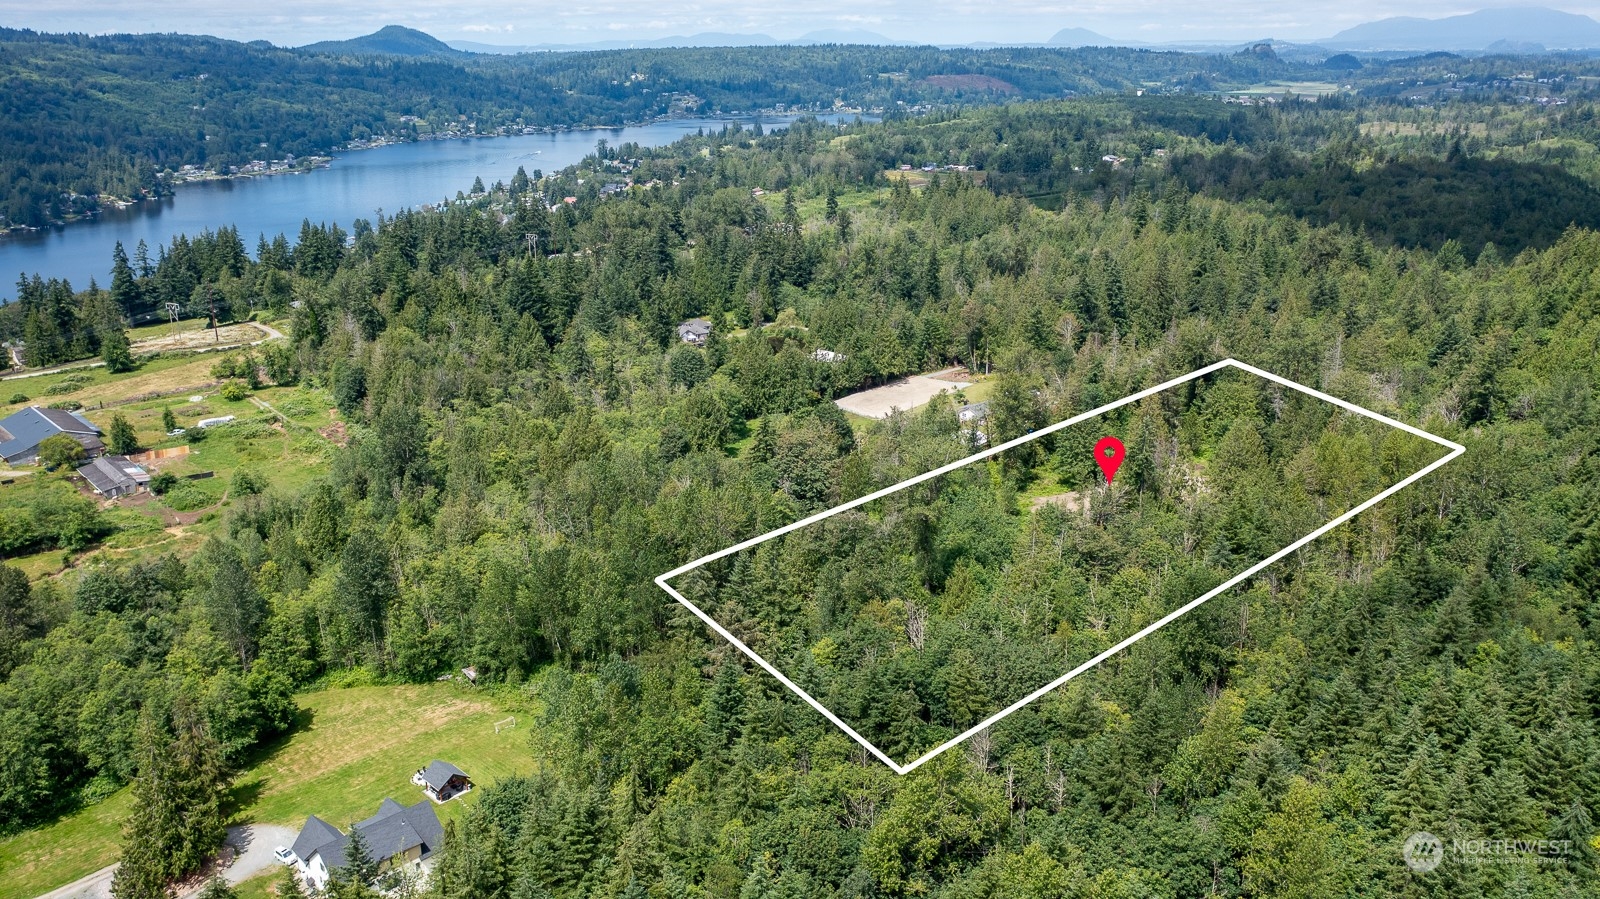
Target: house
[
  {"x": 114, "y": 476},
  {"x": 23, "y": 431},
  {"x": 442, "y": 781},
  {"x": 694, "y": 331},
  {"x": 974, "y": 418},
  {"x": 397, "y": 836}
]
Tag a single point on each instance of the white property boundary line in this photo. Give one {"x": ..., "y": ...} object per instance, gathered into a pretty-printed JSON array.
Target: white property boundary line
[{"x": 1456, "y": 449}]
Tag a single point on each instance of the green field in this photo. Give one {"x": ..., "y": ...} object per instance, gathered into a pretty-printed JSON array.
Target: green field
[
  {"x": 287, "y": 455},
  {"x": 351, "y": 748}
]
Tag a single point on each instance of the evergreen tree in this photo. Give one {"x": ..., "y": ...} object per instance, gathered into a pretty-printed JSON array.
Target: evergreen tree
[
  {"x": 124, "y": 284},
  {"x": 288, "y": 886},
  {"x": 121, "y": 439},
  {"x": 217, "y": 888},
  {"x": 176, "y": 824},
  {"x": 354, "y": 880}
]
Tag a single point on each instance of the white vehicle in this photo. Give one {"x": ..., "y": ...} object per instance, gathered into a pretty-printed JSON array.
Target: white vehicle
[
  {"x": 283, "y": 856},
  {"x": 175, "y": 432}
]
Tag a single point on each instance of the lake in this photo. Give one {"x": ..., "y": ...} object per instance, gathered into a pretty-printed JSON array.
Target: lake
[{"x": 356, "y": 185}]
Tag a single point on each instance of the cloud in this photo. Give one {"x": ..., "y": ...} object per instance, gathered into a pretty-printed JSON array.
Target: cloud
[{"x": 294, "y": 22}]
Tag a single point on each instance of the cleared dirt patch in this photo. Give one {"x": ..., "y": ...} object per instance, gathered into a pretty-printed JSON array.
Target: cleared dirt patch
[
  {"x": 1073, "y": 501},
  {"x": 228, "y": 335},
  {"x": 881, "y": 402},
  {"x": 971, "y": 83}
]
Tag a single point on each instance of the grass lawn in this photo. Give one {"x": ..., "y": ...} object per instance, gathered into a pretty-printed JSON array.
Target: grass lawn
[
  {"x": 261, "y": 886},
  {"x": 357, "y": 745},
  {"x": 39, "y": 860},
  {"x": 91, "y": 386},
  {"x": 287, "y": 456},
  {"x": 351, "y": 748}
]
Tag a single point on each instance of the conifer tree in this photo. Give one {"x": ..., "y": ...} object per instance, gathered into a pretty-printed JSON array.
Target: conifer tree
[{"x": 122, "y": 439}]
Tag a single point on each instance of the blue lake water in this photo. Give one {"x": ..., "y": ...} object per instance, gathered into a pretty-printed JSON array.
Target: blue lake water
[{"x": 357, "y": 185}]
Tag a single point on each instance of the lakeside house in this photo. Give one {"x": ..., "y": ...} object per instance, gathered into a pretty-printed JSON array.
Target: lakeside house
[
  {"x": 397, "y": 837},
  {"x": 22, "y": 431}
]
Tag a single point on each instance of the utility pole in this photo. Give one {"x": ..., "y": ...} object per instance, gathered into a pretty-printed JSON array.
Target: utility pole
[
  {"x": 211, "y": 298},
  {"x": 533, "y": 242},
  {"x": 172, "y": 315}
]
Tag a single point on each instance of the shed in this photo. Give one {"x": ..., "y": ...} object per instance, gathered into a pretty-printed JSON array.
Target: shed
[
  {"x": 114, "y": 476},
  {"x": 442, "y": 781}
]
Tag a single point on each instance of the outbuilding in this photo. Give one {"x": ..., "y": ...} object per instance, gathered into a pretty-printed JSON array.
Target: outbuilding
[
  {"x": 114, "y": 476},
  {"x": 442, "y": 781},
  {"x": 22, "y": 431}
]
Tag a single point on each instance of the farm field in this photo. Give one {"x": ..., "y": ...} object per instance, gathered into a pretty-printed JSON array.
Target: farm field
[
  {"x": 351, "y": 748},
  {"x": 281, "y": 438}
]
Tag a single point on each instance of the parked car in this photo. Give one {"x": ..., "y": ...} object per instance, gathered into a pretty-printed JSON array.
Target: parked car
[{"x": 283, "y": 856}]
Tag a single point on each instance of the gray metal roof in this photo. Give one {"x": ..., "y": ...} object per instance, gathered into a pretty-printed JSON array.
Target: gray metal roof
[
  {"x": 22, "y": 431},
  {"x": 109, "y": 473},
  {"x": 438, "y": 773}
]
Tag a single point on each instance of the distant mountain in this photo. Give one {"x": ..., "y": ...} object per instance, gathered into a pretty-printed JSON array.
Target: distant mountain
[
  {"x": 703, "y": 39},
  {"x": 1082, "y": 37},
  {"x": 392, "y": 40},
  {"x": 849, "y": 36},
  {"x": 1526, "y": 26}
]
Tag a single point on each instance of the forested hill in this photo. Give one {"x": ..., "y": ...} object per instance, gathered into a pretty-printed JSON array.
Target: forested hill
[
  {"x": 93, "y": 116},
  {"x": 390, "y": 40},
  {"x": 530, "y": 445}
]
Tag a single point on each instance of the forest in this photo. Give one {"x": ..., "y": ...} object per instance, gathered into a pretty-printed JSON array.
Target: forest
[
  {"x": 924, "y": 590},
  {"x": 531, "y": 445},
  {"x": 106, "y": 115},
  {"x": 106, "y": 118}
]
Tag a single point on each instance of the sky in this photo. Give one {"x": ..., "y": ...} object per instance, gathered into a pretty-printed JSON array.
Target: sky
[{"x": 295, "y": 22}]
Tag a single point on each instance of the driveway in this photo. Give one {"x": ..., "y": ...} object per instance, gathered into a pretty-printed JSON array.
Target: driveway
[{"x": 252, "y": 845}]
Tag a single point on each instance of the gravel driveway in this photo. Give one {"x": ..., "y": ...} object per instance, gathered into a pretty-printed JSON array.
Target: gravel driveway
[{"x": 254, "y": 844}]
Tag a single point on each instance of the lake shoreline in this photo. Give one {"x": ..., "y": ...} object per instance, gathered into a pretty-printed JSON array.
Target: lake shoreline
[
  {"x": 407, "y": 175},
  {"x": 326, "y": 161}
]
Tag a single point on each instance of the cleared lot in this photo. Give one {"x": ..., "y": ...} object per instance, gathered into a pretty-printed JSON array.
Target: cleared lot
[{"x": 880, "y": 402}]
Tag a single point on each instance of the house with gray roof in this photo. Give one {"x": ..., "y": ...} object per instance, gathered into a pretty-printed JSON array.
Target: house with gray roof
[
  {"x": 22, "y": 431},
  {"x": 694, "y": 331},
  {"x": 398, "y": 836},
  {"x": 442, "y": 781},
  {"x": 114, "y": 476}
]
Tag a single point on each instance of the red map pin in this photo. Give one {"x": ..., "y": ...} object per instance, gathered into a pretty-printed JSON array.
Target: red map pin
[{"x": 1108, "y": 454}]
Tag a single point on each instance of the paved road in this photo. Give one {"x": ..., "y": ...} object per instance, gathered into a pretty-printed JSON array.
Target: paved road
[{"x": 254, "y": 844}]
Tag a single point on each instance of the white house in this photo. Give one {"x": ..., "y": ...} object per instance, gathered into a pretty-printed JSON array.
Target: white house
[{"x": 396, "y": 837}]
